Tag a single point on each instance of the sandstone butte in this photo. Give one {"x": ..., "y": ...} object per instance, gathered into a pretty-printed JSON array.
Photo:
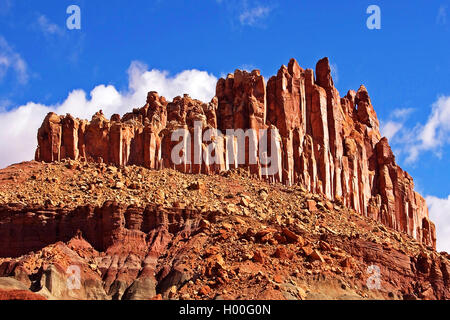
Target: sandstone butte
[
  {"x": 103, "y": 196},
  {"x": 328, "y": 144}
]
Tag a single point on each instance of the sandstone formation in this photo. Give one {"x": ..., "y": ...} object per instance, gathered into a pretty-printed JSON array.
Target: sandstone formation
[{"x": 329, "y": 144}]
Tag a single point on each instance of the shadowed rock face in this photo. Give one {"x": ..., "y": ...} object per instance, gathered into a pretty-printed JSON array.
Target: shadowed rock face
[{"x": 329, "y": 144}]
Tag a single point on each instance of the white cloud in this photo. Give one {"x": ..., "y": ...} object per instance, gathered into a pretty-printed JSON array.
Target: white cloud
[
  {"x": 60, "y": 43},
  {"x": 432, "y": 136},
  {"x": 252, "y": 16},
  {"x": 11, "y": 60},
  {"x": 440, "y": 215},
  {"x": 19, "y": 126},
  {"x": 47, "y": 27},
  {"x": 389, "y": 129},
  {"x": 436, "y": 131},
  {"x": 392, "y": 127}
]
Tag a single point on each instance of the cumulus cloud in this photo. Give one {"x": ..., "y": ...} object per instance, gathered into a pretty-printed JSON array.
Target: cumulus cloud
[
  {"x": 436, "y": 130},
  {"x": 10, "y": 60},
  {"x": 435, "y": 133},
  {"x": 440, "y": 215},
  {"x": 19, "y": 126},
  {"x": 252, "y": 16},
  {"x": 47, "y": 27},
  {"x": 390, "y": 128}
]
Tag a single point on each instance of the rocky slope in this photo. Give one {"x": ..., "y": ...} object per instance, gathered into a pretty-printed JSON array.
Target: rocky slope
[
  {"x": 328, "y": 144},
  {"x": 136, "y": 233}
]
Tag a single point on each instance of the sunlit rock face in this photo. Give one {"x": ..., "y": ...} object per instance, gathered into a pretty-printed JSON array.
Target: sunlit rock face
[{"x": 329, "y": 144}]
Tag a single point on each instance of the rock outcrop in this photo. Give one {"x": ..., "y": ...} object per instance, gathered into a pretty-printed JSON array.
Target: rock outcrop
[{"x": 329, "y": 144}]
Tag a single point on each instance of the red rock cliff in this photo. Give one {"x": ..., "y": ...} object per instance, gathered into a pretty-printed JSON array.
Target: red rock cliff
[{"x": 328, "y": 144}]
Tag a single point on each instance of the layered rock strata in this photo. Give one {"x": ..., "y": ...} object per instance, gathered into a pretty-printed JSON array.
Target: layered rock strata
[
  {"x": 131, "y": 239},
  {"x": 329, "y": 144},
  {"x": 129, "y": 252}
]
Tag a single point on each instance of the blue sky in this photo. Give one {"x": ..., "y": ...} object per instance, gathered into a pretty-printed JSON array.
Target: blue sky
[{"x": 125, "y": 48}]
